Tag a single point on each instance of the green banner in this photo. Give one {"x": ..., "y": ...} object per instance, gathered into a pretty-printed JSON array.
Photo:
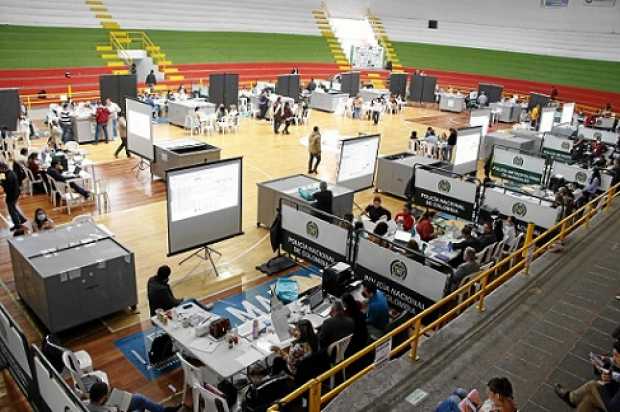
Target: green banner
[
  {"x": 557, "y": 155},
  {"x": 515, "y": 174}
]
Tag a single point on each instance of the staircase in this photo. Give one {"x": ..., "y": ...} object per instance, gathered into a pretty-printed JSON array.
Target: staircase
[
  {"x": 384, "y": 41},
  {"x": 322, "y": 21},
  {"x": 120, "y": 40}
]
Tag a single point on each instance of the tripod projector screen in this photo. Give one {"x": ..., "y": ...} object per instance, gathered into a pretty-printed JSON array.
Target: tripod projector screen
[
  {"x": 139, "y": 129},
  {"x": 358, "y": 158},
  {"x": 467, "y": 149},
  {"x": 204, "y": 204}
]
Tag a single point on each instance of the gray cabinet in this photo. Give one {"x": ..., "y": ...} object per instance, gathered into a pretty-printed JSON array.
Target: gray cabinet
[
  {"x": 394, "y": 171},
  {"x": 173, "y": 154}
]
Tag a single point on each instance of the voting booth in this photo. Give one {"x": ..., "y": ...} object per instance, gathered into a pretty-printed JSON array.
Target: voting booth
[
  {"x": 557, "y": 148},
  {"x": 288, "y": 85},
  {"x": 422, "y": 89},
  {"x": 589, "y": 133},
  {"x": 398, "y": 84},
  {"x": 350, "y": 83},
  {"x": 224, "y": 88}
]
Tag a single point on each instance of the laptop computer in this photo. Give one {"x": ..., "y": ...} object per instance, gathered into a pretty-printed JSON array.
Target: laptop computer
[
  {"x": 402, "y": 236},
  {"x": 77, "y": 170},
  {"x": 318, "y": 304}
]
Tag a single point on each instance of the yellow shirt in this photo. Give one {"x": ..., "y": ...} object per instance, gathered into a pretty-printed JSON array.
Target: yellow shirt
[{"x": 314, "y": 143}]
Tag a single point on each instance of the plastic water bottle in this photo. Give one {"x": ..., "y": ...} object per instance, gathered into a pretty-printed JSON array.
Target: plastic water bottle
[{"x": 255, "y": 329}]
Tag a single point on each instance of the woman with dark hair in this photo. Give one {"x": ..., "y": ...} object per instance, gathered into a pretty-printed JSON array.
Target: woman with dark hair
[
  {"x": 500, "y": 396},
  {"x": 41, "y": 221},
  {"x": 305, "y": 343},
  {"x": 359, "y": 340}
]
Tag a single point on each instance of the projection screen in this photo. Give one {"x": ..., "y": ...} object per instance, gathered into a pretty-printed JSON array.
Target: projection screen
[
  {"x": 139, "y": 129},
  {"x": 467, "y": 149},
  {"x": 204, "y": 204},
  {"x": 358, "y": 158}
]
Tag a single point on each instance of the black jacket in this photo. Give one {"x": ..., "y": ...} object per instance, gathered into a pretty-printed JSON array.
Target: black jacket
[
  {"x": 56, "y": 174},
  {"x": 11, "y": 185},
  {"x": 160, "y": 295},
  {"x": 452, "y": 139},
  {"x": 334, "y": 329},
  {"x": 151, "y": 79},
  {"x": 324, "y": 200},
  {"x": 375, "y": 213}
]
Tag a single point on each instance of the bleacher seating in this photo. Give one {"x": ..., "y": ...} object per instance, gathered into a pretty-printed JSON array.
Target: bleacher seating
[
  {"x": 597, "y": 46},
  {"x": 58, "y": 13},
  {"x": 261, "y": 16}
]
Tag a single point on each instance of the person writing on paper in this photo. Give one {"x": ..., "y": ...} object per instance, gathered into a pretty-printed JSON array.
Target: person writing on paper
[
  {"x": 468, "y": 239},
  {"x": 305, "y": 343},
  {"x": 336, "y": 327},
  {"x": 41, "y": 221},
  {"x": 405, "y": 218},
  {"x": 375, "y": 211},
  {"x": 314, "y": 149},
  {"x": 159, "y": 293},
  {"x": 323, "y": 198},
  {"x": 425, "y": 228},
  {"x": 377, "y": 313},
  {"x": 99, "y": 394}
]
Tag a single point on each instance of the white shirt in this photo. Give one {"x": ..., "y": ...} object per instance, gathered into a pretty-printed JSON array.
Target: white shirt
[{"x": 114, "y": 110}]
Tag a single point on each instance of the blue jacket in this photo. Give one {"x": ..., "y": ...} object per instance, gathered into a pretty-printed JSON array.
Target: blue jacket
[{"x": 378, "y": 314}]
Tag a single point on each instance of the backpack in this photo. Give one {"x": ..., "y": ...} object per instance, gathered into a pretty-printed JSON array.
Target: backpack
[{"x": 161, "y": 350}]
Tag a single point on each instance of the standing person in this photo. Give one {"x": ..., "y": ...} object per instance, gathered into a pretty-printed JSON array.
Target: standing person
[
  {"x": 288, "y": 116},
  {"x": 534, "y": 115},
  {"x": 376, "y": 111},
  {"x": 278, "y": 111},
  {"x": 151, "y": 80},
  {"x": 10, "y": 184},
  {"x": 314, "y": 149},
  {"x": 102, "y": 115},
  {"x": 323, "y": 198},
  {"x": 133, "y": 69},
  {"x": 122, "y": 132},
  {"x": 451, "y": 144},
  {"x": 114, "y": 110},
  {"x": 66, "y": 123}
]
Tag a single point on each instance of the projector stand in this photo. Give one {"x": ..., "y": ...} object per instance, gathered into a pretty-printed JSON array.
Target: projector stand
[{"x": 204, "y": 253}]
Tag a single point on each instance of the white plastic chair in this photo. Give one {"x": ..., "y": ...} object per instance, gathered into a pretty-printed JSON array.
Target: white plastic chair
[
  {"x": 85, "y": 218},
  {"x": 192, "y": 376},
  {"x": 32, "y": 180},
  {"x": 482, "y": 256},
  {"x": 102, "y": 199},
  {"x": 190, "y": 125},
  {"x": 207, "y": 401},
  {"x": 72, "y": 146},
  {"x": 497, "y": 252},
  {"x": 81, "y": 381},
  {"x": 336, "y": 352},
  {"x": 513, "y": 247},
  {"x": 63, "y": 191},
  {"x": 83, "y": 358}
]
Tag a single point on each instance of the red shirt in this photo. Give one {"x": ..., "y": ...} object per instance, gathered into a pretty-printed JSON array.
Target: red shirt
[
  {"x": 425, "y": 229},
  {"x": 101, "y": 115},
  {"x": 407, "y": 220}
]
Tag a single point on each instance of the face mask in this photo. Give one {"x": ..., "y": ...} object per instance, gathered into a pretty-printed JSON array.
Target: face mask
[{"x": 41, "y": 216}]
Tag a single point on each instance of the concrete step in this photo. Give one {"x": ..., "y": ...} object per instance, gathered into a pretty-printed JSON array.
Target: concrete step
[
  {"x": 98, "y": 9},
  {"x": 94, "y": 2},
  {"x": 120, "y": 72},
  {"x": 104, "y": 48},
  {"x": 170, "y": 70},
  {"x": 115, "y": 63},
  {"x": 109, "y": 56},
  {"x": 175, "y": 77},
  {"x": 110, "y": 25},
  {"x": 344, "y": 68},
  {"x": 103, "y": 16}
]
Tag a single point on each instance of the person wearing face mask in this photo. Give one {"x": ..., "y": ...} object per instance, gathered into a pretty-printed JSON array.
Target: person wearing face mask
[
  {"x": 159, "y": 293},
  {"x": 41, "y": 221}
]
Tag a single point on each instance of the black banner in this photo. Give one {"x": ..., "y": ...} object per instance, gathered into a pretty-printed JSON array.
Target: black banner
[
  {"x": 438, "y": 201},
  {"x": 310, "y": 251},
  {"x": 396, "y": 294}
]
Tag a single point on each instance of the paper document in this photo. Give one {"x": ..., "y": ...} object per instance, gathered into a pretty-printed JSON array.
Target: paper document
[
  {"x": 119, "y": 399},
  {"x": 204, "y": 345},
  {"x": 249, "y": 357},
  {"x": 279, "y": 319}
]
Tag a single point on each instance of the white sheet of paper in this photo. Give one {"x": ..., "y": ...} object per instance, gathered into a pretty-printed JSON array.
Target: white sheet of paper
[{"x": 249, "y": 357}]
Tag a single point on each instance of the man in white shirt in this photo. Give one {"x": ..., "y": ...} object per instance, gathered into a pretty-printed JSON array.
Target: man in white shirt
[
  {"x": 99, "y": 394},
  {"x": 114, "y": 110}
]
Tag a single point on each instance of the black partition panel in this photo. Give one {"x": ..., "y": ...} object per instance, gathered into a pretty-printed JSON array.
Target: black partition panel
[
  {"x": 288, "y": 85},
  {"x": 428, "y": 90},
  {"x": 282, "y": 85},
  {"x": 350, "y": 83},
  {"x": 422, "y": 88},
  {"x": 492, "y": 91},
  {"x": 231, "y": 89},
  {"x": 538, "y": 99},
  {"x": 398, "y": 84},
  {"x": 216, "y": 88},
  {"x": 118, "y": 87},
  {"x": 9, "y": 108}
]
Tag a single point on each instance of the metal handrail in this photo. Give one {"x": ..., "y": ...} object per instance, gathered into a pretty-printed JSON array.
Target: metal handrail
[{"x": 532, "y": 248}]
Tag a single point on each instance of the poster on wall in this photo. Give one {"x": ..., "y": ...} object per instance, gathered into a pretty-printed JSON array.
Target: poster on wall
[
  {"x": 554, "y": 3},
  {"x": 600, "y": 3}
]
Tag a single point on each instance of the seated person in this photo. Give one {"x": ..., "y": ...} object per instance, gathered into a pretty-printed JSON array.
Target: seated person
[
  {"x": 405, "y": 217},
  {"x": 99, "y": 394},
  {"x": 510, "y": 230},
  {"x": 468, "y": 240},
  {"x": 419, "y": 256},
  {"x": 159, "y": 293},
  {"x": 425, "y": 228},
  {"x": 305, "y": 343},
  {"x": 487, "y": 237},
  {"x": 597, "y": 394},
  {"x": 336, "y": 327},
  {"x": 375, "y": 211},
  {"x": 323, "y": 198},
  {"x": 598, "y": 148},
  {"x": 468, "y": 267},
  {"x": 41, "y": 221},
  {"x": 377, "y": 313},
  {"x": 380, "y": 230},
  {"x": 500, "y": 396},
  {"x": 353, "y": 309},
  {"x": 55, "y": 172}
]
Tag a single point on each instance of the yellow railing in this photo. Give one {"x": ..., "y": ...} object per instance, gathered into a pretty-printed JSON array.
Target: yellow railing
[{"x": 483, "y": 284}]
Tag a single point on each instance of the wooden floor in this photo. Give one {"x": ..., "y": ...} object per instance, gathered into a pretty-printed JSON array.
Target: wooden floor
[{"x": 138, "y": 219}]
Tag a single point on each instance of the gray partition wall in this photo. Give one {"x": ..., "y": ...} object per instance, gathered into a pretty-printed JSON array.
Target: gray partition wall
[
  {"x": 288, "y": 85},
  {"x": 224, "y": 88},
  {"x": 9, "y": 108},
  {"x": 350, "y": 83},
  {"x": 118, "y": 88},
  {"x": 422, "y": 88},
  {"x": 492, "y": 91}
]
